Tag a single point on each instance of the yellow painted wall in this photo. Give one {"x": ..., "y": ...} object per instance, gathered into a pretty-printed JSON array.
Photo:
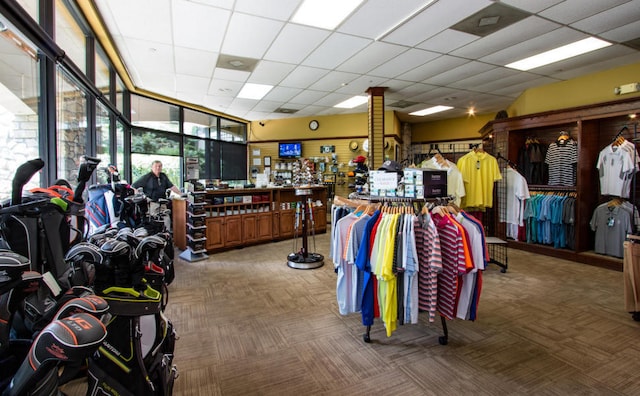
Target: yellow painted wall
[
  {"x": 590, "y": 89},
  {"x": 448, "y": 130},
  {"x": 343, "y": 126}
]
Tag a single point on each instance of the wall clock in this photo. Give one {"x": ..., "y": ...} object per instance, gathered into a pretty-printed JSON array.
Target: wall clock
[{"x": 314, "y": 125}]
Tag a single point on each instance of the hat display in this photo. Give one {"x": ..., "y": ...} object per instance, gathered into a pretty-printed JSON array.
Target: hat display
[
  {"x": 359, "y": 159},
  {"x": 390, "y": 166}
]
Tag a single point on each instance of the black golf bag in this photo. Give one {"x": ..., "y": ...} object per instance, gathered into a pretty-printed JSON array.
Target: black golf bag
[{"x": 137, "y": 355}]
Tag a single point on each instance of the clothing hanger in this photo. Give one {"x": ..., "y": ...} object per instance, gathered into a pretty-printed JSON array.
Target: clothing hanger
[{"x": 564, "y": 135}]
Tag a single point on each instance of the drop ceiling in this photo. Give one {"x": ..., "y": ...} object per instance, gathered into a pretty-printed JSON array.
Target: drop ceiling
[{"x": 451, "y": 53}]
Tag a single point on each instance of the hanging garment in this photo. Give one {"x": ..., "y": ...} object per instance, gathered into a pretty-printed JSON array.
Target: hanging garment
[
  {"x": 614, "y": 167},
  {"x": 479, "y": 172},
  {"x": 562, "y": 158},
  {"x": 512, "y": 211},
  {"x": 611, "y": 224}
]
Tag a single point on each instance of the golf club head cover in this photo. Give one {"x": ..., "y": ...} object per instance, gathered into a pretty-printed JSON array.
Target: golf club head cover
[
  {"x": 23, "y": 174},
  {"x": 70, "y": 339}
]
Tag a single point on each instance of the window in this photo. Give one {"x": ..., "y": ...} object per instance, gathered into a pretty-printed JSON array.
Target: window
[
  {"x": 19, "y": 108},
  {"x": 153, "y": 114},
  {"x": 233, "y": 131},
  {"x": 200, "y": 124},
  {"x": 70, "y": 37},
  {"x": 31, "y": 7},
  {"x": 102, "y": 72},
  {"x": 120, "y": 90},
  {"x": 103, "y": 136},
  {"x": 197, "y": 148},
  {"x": 147, "y": 146},
  {"x": 120, "y": 146},
  {"x": 234, "y": 164},
  {"x": 71, "y": 138}
]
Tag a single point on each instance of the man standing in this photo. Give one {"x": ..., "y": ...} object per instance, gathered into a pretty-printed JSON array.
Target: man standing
[{"x": 155, "y": 183}]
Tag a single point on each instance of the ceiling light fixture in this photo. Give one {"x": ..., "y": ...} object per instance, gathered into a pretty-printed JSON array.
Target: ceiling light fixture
[
  {"x": 353, "y": 102},
  {"x": 324, "y": 14},
  {"x": 560, "y": 53},
  {"x": 431, "y": 110},
  {"x": 254, "y": 91},
  {"x": 236, "y": 63},
  {"x": 404, "y": 20}
]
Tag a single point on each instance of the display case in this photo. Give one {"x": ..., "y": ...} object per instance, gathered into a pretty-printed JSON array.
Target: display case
[{"x": 195, "y": 225}]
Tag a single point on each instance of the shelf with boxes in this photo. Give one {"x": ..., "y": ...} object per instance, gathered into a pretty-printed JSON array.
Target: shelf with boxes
[
  {"x": 246, "y": 216},
  {"x": 196, "y": 235}
]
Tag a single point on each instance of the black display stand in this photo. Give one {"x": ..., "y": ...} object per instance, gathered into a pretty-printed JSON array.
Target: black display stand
[{"x": 303, "y": 259}]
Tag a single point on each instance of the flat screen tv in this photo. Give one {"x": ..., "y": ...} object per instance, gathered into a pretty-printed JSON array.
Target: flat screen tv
[{"x": 290, "y": 150}]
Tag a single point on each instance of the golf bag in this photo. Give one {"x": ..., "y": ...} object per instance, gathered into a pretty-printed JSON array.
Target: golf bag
[{"x": 137, "y": 355}]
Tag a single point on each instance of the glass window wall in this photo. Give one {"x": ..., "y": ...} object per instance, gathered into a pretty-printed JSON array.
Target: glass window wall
[
  {"x": 153, "y": 114},
  {"x": 20, "y": 93},
  {"x": 71, "y": 130},
  {"x": 70, "y": 37}
]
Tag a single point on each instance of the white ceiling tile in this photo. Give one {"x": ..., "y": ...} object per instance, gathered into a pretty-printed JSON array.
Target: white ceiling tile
[
  {"x": 231, "y": 75},
  {"x": 447, "y": 41},
  {"x": 217, "y": 102},
  {"x": 458, "y": 73},
  {"x": 224, "y": 88},
  {"x": 303, "y": 77},
  {"x": 194, "y": 62},
  {"x": 249, "y": 36},
  {"x": 294, "y": 43},
  {"x": 332, "y": 99},
  {"x": 615, "y": 16},
  {"x": 270, "y": 73},
  {"x": 375, "y": 17},
  {"x": 514, "y": 90},
  {"x": 623, "y": 33},
  {"x": 202, "y": 36},
  {"x": 531, "y": 6},
  {"x": 267, "y": 9},
  {"x": 226, "y": 4},
  {"x": 190, "y": 97},
  {"x": 333, "y": 80},
  {"x": 436, "y": 18},
  {"x": 307, "y": 97},
  {"x": 404, "y": 62},
  {"x": 474, "y": 81},
  {"x": 335, "y": 50},
  {"x": 430, "y": 69},
  {"x": 536, "y": 45},
  {"x": 570, "y": 11},
  {"x": 160, "y": 82},
  {"x": 602, "y": 59},
  {"x": 360, "y": 85},
  {"x": 511, "y": 35},
  {"x": 372, "y": 56},
  {"x": 142, "y": 19},
  {"x": 282, "y": 94},
  {"x": 151, "y": 56},
  {"x": 415, "y": 89},
  {"x": 267, "y": 106},
  {"x": 192, "y": 84}
]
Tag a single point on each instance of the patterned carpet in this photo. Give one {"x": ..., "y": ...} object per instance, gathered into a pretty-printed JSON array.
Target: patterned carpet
[{"x": 250, "y": 325}]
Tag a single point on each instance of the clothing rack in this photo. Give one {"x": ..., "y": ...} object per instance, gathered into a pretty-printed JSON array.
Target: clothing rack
[{"x": 399, "y": 201}]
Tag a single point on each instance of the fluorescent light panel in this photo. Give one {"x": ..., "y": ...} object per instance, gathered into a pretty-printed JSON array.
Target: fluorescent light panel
[
  {"x": 431, "y": 110},
  {"x": 353, "y": 102},
  {"x": 404, "y": 20},
  {"x": 560, "y": 53},
  {"x": 325, "y": 14},
  {"x": 254, "y": 91}
]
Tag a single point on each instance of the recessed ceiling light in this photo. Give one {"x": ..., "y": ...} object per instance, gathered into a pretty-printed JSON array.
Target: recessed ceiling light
[
  {"x": 431, "y": 110},
  {"x": 236, "y": 63},
  {"x": 560, "y": 53},
  {"x": 325, "y": 14},
  {"x": 353, "y": 102},
  {"x": 254, "y": 91}
]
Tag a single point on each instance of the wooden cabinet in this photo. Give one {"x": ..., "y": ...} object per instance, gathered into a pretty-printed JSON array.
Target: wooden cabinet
[
  {"x": 287, "y": 223},
  {"x": 249, "y": 216},
  {"x": 215, "y": 233},
  {"x": 263, "y": 227},
  {"x": 593, "y": 127},
  {"x": 232, "y": 231}
]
